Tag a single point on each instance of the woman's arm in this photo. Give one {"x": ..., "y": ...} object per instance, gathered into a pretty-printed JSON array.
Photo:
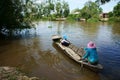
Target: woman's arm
[{"x": 86, "y": 53}]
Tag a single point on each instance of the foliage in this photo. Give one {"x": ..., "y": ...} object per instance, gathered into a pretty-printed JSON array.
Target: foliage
[
  {"x": 102, "y": 1},
  {"x": 51, "y": 9},
  {"x": 114, "y": 19},
  {"x": 71, "y": 17},
  {"x": 115, "y": 15},
  {"x": 90, "y": 10},
  {"x": 58, "y": 9},
  {"x": 66, "y": 10},
  {"x": 116, "y": 10},
  {"x": 110, "y": 14},
  {"x": 75, "y": 14},
  {"x": 18, "y": 14},
  {"x": 62, "y": 9},
  {"x": 14, "y": 15},
  {"x": 53, "y": 17},
  {"x": 93, "y": 20}
]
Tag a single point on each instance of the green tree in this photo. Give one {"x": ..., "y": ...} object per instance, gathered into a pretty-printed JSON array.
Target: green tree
[
  {"x": 53, "y": 8},
  {"x": 12, "y": 13},
  {"x": 102, "y": 1},
  {"x": 49, "y": 7},
  {"x": 40, "y": 11},
  {"x": 110, "y": 14},
  {"x": 90, "y": 10},
  {"x": 84, "y": 13},
  {"x": 116, "y": 10},
  {"x": 59, "y": 9},
  {"x": 115, "y": 15},
  {"x": 66, "y": 10}
]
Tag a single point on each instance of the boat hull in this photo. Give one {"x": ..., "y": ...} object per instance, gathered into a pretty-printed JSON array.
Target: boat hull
[{"x": 76, "y": 54}]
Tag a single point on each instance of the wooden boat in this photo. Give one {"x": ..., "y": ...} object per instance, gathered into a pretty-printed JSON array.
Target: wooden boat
[{"x": 75, "y": 53}]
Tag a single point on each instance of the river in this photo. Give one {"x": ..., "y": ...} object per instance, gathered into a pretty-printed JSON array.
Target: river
[{"x": 35, "y": 54}]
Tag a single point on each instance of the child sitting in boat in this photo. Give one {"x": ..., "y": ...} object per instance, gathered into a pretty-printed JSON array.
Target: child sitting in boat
[
  {"x": 91, "y": 53},
  {"x": 64, "y": 41}
]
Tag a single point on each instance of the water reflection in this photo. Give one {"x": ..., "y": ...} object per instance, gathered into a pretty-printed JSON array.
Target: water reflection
[{"x": 116, "y": 28}]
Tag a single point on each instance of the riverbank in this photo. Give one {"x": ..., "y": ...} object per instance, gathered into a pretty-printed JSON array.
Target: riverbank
[{"x": 12, "y": 73}]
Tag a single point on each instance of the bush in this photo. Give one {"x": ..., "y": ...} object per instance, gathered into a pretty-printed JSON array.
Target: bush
[
  {"x": 114, "y": 19},
  {"x": 93, "y": 20}
]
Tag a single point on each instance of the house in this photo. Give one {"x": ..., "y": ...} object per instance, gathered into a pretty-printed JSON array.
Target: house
[{"x": 104, "y": 17}]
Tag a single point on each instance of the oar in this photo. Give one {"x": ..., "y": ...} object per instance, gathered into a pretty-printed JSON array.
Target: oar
[{"x": 81, "y": 66}]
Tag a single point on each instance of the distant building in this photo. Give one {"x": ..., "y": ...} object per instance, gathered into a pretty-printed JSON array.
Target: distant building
[
  {"x": 78, "y": 18},
  {"x": 104, "y": 16},
  {"x": 76, "y": 13}
]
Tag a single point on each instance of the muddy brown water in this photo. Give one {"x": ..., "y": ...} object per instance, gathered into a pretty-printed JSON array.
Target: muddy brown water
[{"x": 35, "y": 54}]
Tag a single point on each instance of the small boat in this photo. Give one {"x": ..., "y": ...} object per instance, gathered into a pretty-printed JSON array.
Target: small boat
[{"x": 75, "y": 53}]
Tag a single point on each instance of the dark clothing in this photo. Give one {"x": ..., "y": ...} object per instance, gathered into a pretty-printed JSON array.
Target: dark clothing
[{"x": 65, "y": 42}]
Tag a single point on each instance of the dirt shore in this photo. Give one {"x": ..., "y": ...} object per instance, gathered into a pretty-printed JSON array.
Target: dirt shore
[{"x": 12, "y": 73}]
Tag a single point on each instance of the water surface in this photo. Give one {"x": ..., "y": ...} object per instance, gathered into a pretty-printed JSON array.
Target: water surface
[{"x": 35, "y": 53}]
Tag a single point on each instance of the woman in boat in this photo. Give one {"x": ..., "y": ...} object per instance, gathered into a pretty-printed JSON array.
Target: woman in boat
[
  {"x": 91, "y": 53},
  {"x": 64, "y": 41}
]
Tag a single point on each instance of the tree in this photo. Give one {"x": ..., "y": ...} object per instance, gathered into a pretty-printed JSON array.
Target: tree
[
  {"x": 66, "y": 10},
  {"x": 116, "y": 10},
  {"x": 102, "y": 1},
  {"x": 59, "y": 9},
  {"x": 85, "y": 13},
  {"x": 90, "y": 10},
  {"x": 49, "y": 7},
  {"x": 12, "y": 13},
  {"x": 110, "y": 14}
]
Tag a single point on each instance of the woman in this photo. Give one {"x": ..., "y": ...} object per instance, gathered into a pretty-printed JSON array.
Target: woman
[{"x": 91, "y": 53}]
